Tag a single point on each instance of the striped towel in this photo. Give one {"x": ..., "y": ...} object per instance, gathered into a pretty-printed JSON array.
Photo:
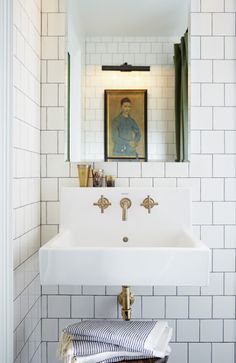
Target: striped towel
[{"x": 113, "y": 341}]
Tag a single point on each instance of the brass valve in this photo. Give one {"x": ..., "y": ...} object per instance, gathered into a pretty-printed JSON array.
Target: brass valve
[
  {"x": 148, "y": 203},
  {"x": 102, "y": 203}
]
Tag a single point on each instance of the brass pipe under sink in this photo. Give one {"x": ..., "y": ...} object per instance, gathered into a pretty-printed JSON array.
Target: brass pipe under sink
[{"x": 126, "y": 299}]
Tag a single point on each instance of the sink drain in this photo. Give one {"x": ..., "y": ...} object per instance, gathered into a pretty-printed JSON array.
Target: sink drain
[{"x": 125, "y": 239}]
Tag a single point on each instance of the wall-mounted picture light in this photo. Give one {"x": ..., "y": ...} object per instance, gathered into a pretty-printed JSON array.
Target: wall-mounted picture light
[{"x": 126, "y": 68}]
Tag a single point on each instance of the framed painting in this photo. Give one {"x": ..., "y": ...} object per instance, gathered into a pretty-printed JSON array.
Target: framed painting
[{"x": 125, "y": 125}]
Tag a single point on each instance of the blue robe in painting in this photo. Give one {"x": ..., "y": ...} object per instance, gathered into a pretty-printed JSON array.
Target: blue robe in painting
[{"x": 124, "y": 130}]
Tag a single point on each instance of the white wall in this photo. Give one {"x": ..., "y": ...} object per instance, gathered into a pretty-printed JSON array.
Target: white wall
[
  {"x": 203, "y": 319},
  {"x": 26, "y": 180}
]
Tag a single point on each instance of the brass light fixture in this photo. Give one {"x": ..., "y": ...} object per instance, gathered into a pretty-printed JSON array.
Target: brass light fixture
[{"x": 125, "y": 67}]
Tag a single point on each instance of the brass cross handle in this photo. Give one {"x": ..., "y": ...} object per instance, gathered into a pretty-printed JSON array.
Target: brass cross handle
[
  {"x": 102, "y": 203},
  {"x": 148, "y": 203}
]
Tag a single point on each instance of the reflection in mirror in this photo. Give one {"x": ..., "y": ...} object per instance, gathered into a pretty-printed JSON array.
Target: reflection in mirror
[{"x": 152, "y": 34}]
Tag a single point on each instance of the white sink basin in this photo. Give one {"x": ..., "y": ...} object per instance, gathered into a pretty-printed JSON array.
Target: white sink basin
[{"x": 89, "y": 250}]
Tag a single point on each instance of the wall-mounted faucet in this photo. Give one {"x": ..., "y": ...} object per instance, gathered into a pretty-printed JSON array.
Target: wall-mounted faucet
[
  {"x": 148, "y": 203},
  {"x": 102, "y": 203},
  {"x": 125, "y": 204}
]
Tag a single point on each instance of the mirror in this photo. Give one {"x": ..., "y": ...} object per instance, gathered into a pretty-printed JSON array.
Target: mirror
[{"x": 140, "y": 33}]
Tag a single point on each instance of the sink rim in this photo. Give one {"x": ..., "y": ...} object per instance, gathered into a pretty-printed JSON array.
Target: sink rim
[{"x": 64, "y": 235}]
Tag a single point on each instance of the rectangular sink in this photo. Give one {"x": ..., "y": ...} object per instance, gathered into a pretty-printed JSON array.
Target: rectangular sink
[{"x": 95, "y": 248}]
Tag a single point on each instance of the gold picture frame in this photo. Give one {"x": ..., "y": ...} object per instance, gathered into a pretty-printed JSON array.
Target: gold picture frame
[{"x": 125, "y": 124}]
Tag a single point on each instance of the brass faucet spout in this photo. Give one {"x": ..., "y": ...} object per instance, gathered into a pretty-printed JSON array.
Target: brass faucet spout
[
  {"x": 125, "y": 204},
  {"x": 124, "y": 213}
]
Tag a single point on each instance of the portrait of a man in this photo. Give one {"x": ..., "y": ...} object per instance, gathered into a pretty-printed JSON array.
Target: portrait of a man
[{"x": 125, "y": 124}]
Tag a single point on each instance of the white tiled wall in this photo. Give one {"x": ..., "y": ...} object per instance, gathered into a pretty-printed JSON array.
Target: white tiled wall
[
  {"x": 203, "y": 319},
  {"x": 26, "y": 181}
]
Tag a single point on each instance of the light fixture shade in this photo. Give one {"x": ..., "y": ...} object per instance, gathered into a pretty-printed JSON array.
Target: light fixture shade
[{"x": 126, "y": 68}]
